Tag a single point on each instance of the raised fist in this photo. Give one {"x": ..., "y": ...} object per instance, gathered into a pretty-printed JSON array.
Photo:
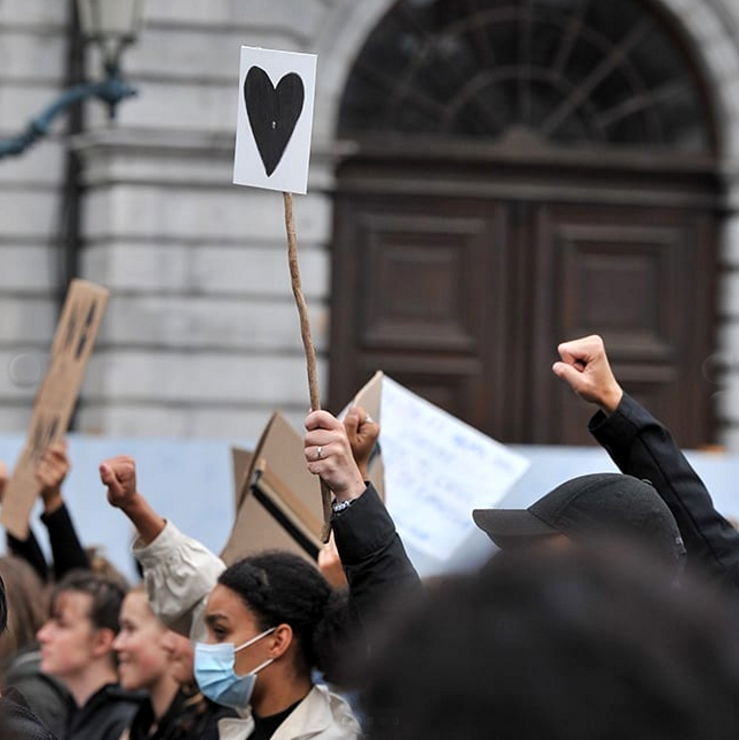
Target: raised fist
[
  {"x": 119, "y": 475},
  {"x": 585, "y": 368},
  {"x": 362, "y": 433}
]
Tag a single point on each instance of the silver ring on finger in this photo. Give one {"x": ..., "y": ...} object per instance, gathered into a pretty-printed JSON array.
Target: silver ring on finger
[{"x": 319, "y": 452}]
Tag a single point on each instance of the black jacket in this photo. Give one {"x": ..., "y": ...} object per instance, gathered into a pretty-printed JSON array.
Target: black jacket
[
  {"x": 641, "y": 446},
  {"x": 66, "y": 550},
  {"x": 44, "y": 694},
  {"x": 190, "y": 717},
  {"x": 105, "y": 715},
  {"x": 18, "y": 722},
  {"x": 374, "y": 559}
]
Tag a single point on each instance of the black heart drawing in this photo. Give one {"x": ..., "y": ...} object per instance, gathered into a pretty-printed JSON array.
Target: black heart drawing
[{"x": 273, "y": 113}]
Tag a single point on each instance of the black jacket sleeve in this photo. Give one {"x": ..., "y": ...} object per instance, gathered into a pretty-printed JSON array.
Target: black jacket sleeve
[
  {"x": 641, "y": 446},
  {"x": 18, "y": 722},
  {"x": 30, "y": 550},
  {"x": 66, "y": 548},
  {"x": 374, "y": 559}
]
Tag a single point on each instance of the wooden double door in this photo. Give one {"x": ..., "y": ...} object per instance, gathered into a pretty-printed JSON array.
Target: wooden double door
[{"x": 459, "y": 282}]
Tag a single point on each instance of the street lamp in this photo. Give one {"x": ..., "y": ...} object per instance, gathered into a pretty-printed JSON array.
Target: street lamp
[{"x": 112, "y": 25}]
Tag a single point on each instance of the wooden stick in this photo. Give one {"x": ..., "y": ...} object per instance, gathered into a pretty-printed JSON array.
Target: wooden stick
[{"x": 310, "y": 350}]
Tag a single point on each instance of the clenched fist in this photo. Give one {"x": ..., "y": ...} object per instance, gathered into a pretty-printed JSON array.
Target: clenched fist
[
  {"x": 362, "y": 433},
  {"x": 585, "y": 368},
  {"x": 51, "y": 470},
  {"x": 119, "y": 475}
]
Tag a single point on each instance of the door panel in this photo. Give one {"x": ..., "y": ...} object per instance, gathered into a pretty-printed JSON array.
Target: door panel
[
  {"x": 464, "y": 300},
  {"x": 428, "y": 268},
  {"x": 416, "y": 295},
  {"x": 641, "y": 279}
]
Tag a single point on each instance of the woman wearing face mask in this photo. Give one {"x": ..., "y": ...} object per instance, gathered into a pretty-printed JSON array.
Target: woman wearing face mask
[
  {"x": 271, "y": 620},
  {"x": 262, "y": 625},
  {"x": 153, "y": 658},
  {"x": 198, "y": 716}
]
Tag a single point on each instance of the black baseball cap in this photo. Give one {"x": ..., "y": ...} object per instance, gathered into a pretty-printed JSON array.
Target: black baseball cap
[{"x": 607, "y": 503}]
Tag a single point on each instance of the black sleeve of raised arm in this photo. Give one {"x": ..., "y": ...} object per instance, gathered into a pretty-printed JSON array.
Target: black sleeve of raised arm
[
  {"x": 30, "y": 550},
  {"x": 641, "y": 446},
  {"x": 66, "y": 549},
  {"x": 374, "y": 559}
]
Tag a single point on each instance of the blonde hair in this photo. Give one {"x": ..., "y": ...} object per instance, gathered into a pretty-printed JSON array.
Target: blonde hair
[{"x": 100, "y": 564}]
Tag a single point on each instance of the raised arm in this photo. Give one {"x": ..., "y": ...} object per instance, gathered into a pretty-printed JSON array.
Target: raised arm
[
  {"x": 179, "y": 572},
  {"x": 118, "y": 474},
  {"x": 374, "y": 559},
  {"x": 27, "y": 549},
  {"x": 67, "y": 551},
  {"x": 641, "y": 446}
]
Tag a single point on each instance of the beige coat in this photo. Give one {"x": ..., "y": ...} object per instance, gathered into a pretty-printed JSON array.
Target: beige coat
[
  {"x": 179, "y": 573},
  {"x": 320, "y": 716}
]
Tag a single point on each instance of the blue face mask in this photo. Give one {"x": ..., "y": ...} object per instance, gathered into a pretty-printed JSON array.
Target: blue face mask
[{"x": 214, "y": 672}]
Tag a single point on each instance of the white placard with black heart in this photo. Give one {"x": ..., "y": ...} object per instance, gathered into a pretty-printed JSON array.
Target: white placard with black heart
[{"x": 275, "y": 119}]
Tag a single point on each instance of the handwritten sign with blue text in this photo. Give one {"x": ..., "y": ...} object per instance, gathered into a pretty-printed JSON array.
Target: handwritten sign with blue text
[{"x": 437, "y": 470}]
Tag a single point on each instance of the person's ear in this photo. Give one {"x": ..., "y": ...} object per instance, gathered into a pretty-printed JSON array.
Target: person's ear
[
  {"x": 282, "y": 638},
  {"x": 102, "y": 642}
]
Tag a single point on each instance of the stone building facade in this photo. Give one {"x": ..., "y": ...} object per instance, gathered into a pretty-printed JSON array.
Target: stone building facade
[{"x": 201, "y": 337}]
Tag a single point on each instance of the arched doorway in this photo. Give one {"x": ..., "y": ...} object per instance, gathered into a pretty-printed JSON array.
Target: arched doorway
[{"x": 526, "y": 171}]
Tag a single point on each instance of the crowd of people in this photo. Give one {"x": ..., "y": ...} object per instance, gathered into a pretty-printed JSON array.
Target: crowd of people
[{"x": 608, "y": 613}]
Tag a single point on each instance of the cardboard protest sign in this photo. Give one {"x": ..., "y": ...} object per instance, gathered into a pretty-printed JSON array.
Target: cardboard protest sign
[
  {"x": 275, "y": 119},
  {"x": 281, "y": 504},
  {"x": 434, "y": 469},
  {"x": 437, "y": 470},
  {"x": 70, "y": 351},
  {"x": 277, "y": 498},
  {"x": 242, "y": 462}
]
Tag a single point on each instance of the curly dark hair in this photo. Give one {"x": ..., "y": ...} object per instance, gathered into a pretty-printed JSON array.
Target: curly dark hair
[{"x": 282, "y": 588}]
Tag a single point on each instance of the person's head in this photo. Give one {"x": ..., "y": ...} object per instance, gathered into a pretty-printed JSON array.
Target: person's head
[
  {"x": 83, "y": 623},
  {"x": 280, "y": 614},
  {"x": 143, "y": 661},
  {"x": 102, "y": 565},
  {"x": 586, "y": 507},
  {"x": 26, "y": 605},
  {"x": 571, "y": 644}
]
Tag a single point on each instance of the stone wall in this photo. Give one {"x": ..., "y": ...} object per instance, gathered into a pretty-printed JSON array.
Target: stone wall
[
  {"x": 202, "y": 337},
  {"x": 33, "y": 51}
]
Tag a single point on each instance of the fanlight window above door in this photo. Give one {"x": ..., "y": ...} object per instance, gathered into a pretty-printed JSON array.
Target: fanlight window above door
[{"x": 605, "y": 73}]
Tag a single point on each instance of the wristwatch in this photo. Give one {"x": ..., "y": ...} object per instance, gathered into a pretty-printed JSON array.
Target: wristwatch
[{"x": 338, "y": 506}]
